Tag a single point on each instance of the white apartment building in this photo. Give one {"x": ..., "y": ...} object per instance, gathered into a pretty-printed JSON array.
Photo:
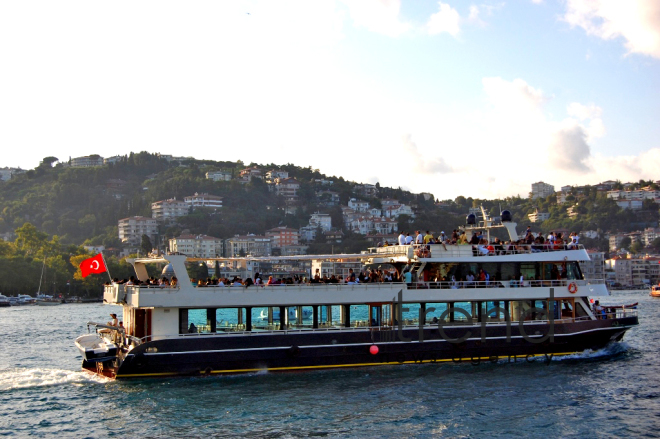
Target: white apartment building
[
  {"x": 243, "y": 245},
  {"x": 308, "y": 233},
  {"x": 594, "y": 268},
  {"x": 322, "y": 220},
  {"x": 274, "y": 176},
  {"x": 169, "y": 210},
  {"x": 615, "y": 239},
  {"x": 218, "y": 175},
  {"x": 131, "y": 229},
  {"x": 542, "y": 190},
  {"x": 358, "y": 205},
  {"x": 639, "y": 194},
  {"x": 377, "y": 225},
  {"x": 288, "y": 188},
  {"x": 538, "y": 217},
  {"x": 115, "y": 159},
  {"x": 396, "y": 210},
  {"x": 197, "y": 246},
  {"x": 636, "y": 271},
  {"x": 203, "y": 200},
  {"x": 88, "y": 161},
  {"x": 5, "y": 174},
  {"x": 649, "y": 235},
  {"x": 368, "y": 190}
]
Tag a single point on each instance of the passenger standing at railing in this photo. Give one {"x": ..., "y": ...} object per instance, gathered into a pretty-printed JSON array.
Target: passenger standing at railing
[
  {"x": 409, "y": 239},
  {"x": 462, "y": 238},
  {"x": 402, "y": 238},
  {"x": 419, "y": 238},
  {"x": 428, "y": 237}
]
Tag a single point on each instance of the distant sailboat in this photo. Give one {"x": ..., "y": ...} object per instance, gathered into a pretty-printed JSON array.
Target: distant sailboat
[{"x": 44, "y": 299}]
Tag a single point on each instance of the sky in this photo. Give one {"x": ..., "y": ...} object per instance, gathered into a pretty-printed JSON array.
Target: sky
[{"x": 451, "y": 97}]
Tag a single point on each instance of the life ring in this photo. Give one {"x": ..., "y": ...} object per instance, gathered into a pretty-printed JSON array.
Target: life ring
[{"x": 572, "y": 288}]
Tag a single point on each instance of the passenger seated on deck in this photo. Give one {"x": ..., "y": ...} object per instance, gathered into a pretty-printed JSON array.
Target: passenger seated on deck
[
  {"x": 113, "y": 322},
  {"x": 192, "y": 329},
  {"x": 174, "y": 282}
]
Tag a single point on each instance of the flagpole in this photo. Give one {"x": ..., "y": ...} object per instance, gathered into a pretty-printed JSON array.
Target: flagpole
[{"x": 107, "y": 270}]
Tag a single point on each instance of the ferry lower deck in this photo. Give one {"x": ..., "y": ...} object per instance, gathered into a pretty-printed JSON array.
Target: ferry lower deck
[{"x": 335, "y": 347}]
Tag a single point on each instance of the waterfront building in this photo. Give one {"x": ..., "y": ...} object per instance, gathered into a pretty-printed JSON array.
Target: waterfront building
[
  {"x": 541, "y": 190},
  {"x": 131, "y": 229},
  {"x": 197, "y": 246},
  {"x": 169, "y": 210}
]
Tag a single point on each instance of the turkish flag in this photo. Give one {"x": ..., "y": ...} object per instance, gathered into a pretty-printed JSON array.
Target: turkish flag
[{"x": 92, "y": 265}]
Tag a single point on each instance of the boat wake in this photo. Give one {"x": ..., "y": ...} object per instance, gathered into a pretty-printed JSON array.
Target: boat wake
[
  {"x": 31, "y": 378},
  {"x": 609, "y": 351}
]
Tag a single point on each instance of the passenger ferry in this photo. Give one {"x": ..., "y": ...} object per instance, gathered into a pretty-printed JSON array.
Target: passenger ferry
[{"x": 535, "y": 303}]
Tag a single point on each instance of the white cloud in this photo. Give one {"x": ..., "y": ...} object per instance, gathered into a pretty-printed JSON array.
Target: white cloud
[
  {"x": 516, "y": 96},
  {"x": 446, "y": 19},
  {"x": 569, "y": 149},
  {"x": 583, "y": 112},
  {"x": 637, "y": 21},
  {"x": 380, "y": 16},
  {"x": 419, "y": 162}
]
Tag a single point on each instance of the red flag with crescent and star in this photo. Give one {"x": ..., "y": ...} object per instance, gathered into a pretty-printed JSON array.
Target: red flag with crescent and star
[{"x": 92, "y": 265}]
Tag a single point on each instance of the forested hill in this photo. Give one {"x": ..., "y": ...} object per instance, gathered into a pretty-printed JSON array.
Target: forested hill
[{"x": 83, "y": 205}]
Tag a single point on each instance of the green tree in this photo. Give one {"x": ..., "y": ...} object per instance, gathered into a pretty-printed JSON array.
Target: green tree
[
  {"x": 146, "y": 245},
  {"x": 625, "y": 243}
]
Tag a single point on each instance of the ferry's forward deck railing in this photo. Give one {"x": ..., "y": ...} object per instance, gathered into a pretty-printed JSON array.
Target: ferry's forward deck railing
[{"x": 467, "y": 250}]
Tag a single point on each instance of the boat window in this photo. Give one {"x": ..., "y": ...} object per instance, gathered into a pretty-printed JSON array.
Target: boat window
[
  {"x": 573, "y": 271},
  {"x": 519, "y": 308},
  {"x": 266, "y": 318},
  {"x": 359, "y": 315},
  {"x": 567, "y": 308},
  {"x": 509, "y": 271},
  {"x": 461, "y": 317},
  {"x": 439, "y": 309},
  {"x": 528, "y": 270},
  {"x": 329, "y": 316},
  {"x": 579, "y": 310},
  {"x": 230, "y": 319},
  {"x": 300, "y": 317},
  {"x": 198, "y": 323},
  {"x": 495, "y": 310}
]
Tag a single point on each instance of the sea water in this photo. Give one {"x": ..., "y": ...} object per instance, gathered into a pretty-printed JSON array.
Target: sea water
[{"x": 611, "y": 392}]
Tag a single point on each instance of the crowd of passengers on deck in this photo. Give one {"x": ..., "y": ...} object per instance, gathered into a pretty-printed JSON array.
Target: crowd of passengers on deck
[{"x": 482, "y": 247}]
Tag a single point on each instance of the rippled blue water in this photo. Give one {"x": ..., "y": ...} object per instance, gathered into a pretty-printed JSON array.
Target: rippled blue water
[{"x": 614, "y": 392}]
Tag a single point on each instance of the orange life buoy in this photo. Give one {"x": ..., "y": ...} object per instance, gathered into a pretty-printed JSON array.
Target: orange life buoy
[{"x": 572, "y": 288}]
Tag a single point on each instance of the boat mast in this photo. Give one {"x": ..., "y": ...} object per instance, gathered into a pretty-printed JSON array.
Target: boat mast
[{"x": 42, "y": 275}]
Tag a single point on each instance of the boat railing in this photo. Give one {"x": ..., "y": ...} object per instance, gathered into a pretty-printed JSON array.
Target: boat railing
[
  {"x": 119, "y": 294},
  {"x": 467, "y": 250},
  {"x": 513, "y": 283}
]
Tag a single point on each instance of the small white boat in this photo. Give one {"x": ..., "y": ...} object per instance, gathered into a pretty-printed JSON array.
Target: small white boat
[
  {"x": 46, "y": 300},
  {"x": 655, "y": 291},
  {"x": 26, "y": 299},
  {"x": 95, "y": 347}
]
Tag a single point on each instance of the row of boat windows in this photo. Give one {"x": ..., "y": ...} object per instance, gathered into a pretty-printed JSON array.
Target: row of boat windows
[
  {"x": 569, "y": 270},
  {"x": 302, "y": 317}
]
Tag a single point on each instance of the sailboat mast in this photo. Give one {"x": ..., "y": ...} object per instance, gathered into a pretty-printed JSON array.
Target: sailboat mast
[{"x": 42, "y": 276}]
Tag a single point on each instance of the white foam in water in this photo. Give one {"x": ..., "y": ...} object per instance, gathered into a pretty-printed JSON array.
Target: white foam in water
[{"x": 28, "y": 378}]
